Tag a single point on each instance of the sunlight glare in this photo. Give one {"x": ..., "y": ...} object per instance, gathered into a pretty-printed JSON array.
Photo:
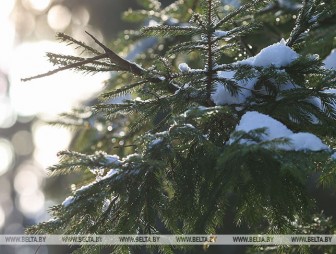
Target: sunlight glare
[
  {"x": 37, "y": 5},
  {"x": 7, "y": 114},
  {"x": 51, "y": 95},
  {"x": 6, "y": 8},
  {"x": 6, "y": 32},
  {"x": 48, "y": 142}
]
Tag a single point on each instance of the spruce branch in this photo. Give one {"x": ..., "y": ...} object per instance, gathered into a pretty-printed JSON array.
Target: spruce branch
[
  {"x": 120, "y": 63},
  {"x": 302, "y": 22},
  {"x": 122, "y": 90},
  {"x": 67, "y": 67},
  {"x": 169, "y": 30},
  {"x": 129, "y": 66},
  {"x": 114, "y": 58},
  {"x": 95, "y": 66},
  {"x": 66, "y": 38},
  {"x": 59, "y": 59},
  {"x": 238, "y": 11}
]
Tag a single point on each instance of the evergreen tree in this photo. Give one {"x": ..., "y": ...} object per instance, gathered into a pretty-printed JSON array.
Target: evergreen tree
[{"x": 228, "y": 119}]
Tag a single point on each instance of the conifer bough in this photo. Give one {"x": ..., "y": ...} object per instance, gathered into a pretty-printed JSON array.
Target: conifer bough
[{"x": 221, "y": 129}]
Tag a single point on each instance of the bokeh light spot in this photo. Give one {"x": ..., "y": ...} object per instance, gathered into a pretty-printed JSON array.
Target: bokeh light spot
[
  {"x": 7, "y": 33},
  {"x": 59, "y": 17},
  {"x": 81, "y": 16},
  {"x": 26, "y": 182},
  {"x": 24, "y": 23},
  {"x": 2, "y": 217},
  {"x": 22, "y": 142},
  {"x": 6, "y": 156},
  {"x": 31, "y": 204},
  {"x": 42, "y": 29},
  {"x": 3, "y": 85},
  {"x": 7, "y": 114},
  {"x": 39, "y": 5},
  {"x": 49, "y": 141}
]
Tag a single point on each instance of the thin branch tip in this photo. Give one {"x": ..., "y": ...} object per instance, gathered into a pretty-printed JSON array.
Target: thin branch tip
[
  {"x": 66, "y": 67},
  {"x": 98, "y": 42}
]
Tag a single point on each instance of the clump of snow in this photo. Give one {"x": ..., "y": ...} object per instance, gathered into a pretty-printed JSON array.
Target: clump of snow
[
  {"x": 53, "y": 220},
  {"x": 306, "y": 141},
  {"x": 131, "y": 156},
  {"x": 110, "y": 173},
  {"x": 317, "y": 101},
  {"x": 254, "y": 120},
  {"x": 301, "y": 141},
  {"x": 333, "y": 92},
  {"x": 314, "y": 19},
  {"x": 188, "y": 126},
  {"x": 153, "y": 23},
  {"x": 85, "y": 187},
  {"x": 222, "y": 94},
  {"x": 330, "y": 90},
  {"x": 97, "y": 171},
  {"x": 330, "y": 61},
  {"x": 113, "y": 159},
  {"x": 193, "y": 109},
  {"x": 220, "y": 33},
  {"x": 333, "y": 156},
  {"x": 68, "y": 201},
  {"x": 155, "y": 142},
  {"x": 183, "y": 67},
  {"x": 278, "y": 55},
  {"x": 106, "y": 204},
  {"x": 108, "y": 161}
]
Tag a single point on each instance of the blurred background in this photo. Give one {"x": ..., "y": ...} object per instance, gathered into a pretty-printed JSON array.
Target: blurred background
[{"x": 27, "y": 144}]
